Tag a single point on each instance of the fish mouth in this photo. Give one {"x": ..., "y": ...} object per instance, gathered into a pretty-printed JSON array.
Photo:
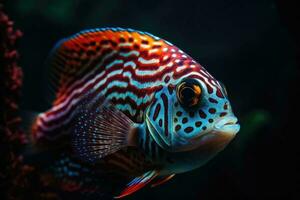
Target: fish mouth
[
  {"x": 227, "y": 126},
  {"x": 220, "y": 135}
]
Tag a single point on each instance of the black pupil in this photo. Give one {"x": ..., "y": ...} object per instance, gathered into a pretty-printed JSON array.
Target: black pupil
[{"x": 187, "y": 95}]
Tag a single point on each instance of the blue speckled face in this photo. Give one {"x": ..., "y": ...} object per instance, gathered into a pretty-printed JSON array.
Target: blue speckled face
[{"x": 190, "y": 114}]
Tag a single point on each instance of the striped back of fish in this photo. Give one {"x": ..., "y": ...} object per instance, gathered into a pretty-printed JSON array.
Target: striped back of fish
[{"x": 124, "y": 65}]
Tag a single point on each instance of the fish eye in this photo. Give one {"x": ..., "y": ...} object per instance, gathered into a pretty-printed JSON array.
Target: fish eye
[{"x": 189, "y": 93}]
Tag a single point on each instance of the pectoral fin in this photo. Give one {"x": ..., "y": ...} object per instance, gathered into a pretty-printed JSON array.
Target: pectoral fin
[{"x": 101, "y": 129}]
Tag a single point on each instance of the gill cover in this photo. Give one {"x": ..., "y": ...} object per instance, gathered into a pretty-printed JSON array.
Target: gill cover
[{"x": 159, "y": 119}]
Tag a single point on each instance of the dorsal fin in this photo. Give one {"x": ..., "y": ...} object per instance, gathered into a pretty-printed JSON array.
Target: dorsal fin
[{"x": 75, "y": 58}]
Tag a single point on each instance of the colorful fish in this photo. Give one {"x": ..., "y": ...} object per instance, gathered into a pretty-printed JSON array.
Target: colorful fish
[{"x": 136, "y": 103}]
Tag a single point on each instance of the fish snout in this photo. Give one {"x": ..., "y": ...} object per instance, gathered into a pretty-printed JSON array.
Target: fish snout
[
  {"x": 222, "y": 132},
  {"x": 227, "y": 125}
]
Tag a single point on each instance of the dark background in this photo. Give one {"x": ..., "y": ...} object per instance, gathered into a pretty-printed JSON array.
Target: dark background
[{"x": 252, "y": 46}]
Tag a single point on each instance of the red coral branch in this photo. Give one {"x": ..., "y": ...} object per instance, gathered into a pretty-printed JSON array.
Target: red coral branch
[
  {"x": 17, "y": 179},
  {"x": 11, "y": 77},
  {"x": 12, "y": 138}
]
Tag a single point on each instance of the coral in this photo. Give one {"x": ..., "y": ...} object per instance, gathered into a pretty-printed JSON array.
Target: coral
[
  {"x": 11, "y": 80},
  {"x": 17, "y": 179},
  {"x": 12, "y": 138}
]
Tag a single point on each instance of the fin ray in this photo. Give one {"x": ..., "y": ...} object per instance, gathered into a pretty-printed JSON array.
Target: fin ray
[
  {"x": 100, "y": 130},
  {"x": 138, "y": 183}
]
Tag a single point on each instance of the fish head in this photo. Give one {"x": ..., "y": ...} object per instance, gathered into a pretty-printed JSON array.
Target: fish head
[{"x": 192, "y": 113}]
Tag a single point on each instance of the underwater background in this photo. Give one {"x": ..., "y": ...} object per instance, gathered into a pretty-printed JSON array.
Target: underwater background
[{"x": 251, "y": 46}]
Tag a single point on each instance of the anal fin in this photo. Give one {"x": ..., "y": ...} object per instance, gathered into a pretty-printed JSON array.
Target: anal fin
[
  {"x": 138, "y": 183},
  {"x": 162, "y": 180}
]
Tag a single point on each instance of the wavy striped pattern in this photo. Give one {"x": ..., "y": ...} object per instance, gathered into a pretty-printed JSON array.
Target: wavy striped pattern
[{"x": 124, "y": 65}]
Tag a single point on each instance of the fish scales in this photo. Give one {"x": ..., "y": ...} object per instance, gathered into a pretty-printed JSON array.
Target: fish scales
[
  {"x": 133, "y": 105},
  {"x": 126, "y": 67}
]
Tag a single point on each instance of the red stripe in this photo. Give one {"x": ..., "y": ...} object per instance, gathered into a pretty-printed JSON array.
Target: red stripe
[
  {"x": 165, "y": 101},
  {"x": 132, "y": 58},
  {"x": 156, "y": 112},
  {"x": 78, "y": 76},
  {"x": 148, "y": 78},
  {"x": 142, "y": 79},
  {"x": 69, "y": 88},
  {"x": 131, "y": 88}
]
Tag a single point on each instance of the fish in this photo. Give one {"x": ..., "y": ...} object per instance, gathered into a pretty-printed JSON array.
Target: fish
[{"x": 127, "y": 101}]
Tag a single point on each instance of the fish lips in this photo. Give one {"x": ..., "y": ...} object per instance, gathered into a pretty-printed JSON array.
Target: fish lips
[
  {"x": 220, "y": 135},
  {"x": 227, "y": 125}
]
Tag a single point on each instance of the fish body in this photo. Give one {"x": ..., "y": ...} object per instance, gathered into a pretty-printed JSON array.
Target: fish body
[{"x": 131, "y": 100}]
